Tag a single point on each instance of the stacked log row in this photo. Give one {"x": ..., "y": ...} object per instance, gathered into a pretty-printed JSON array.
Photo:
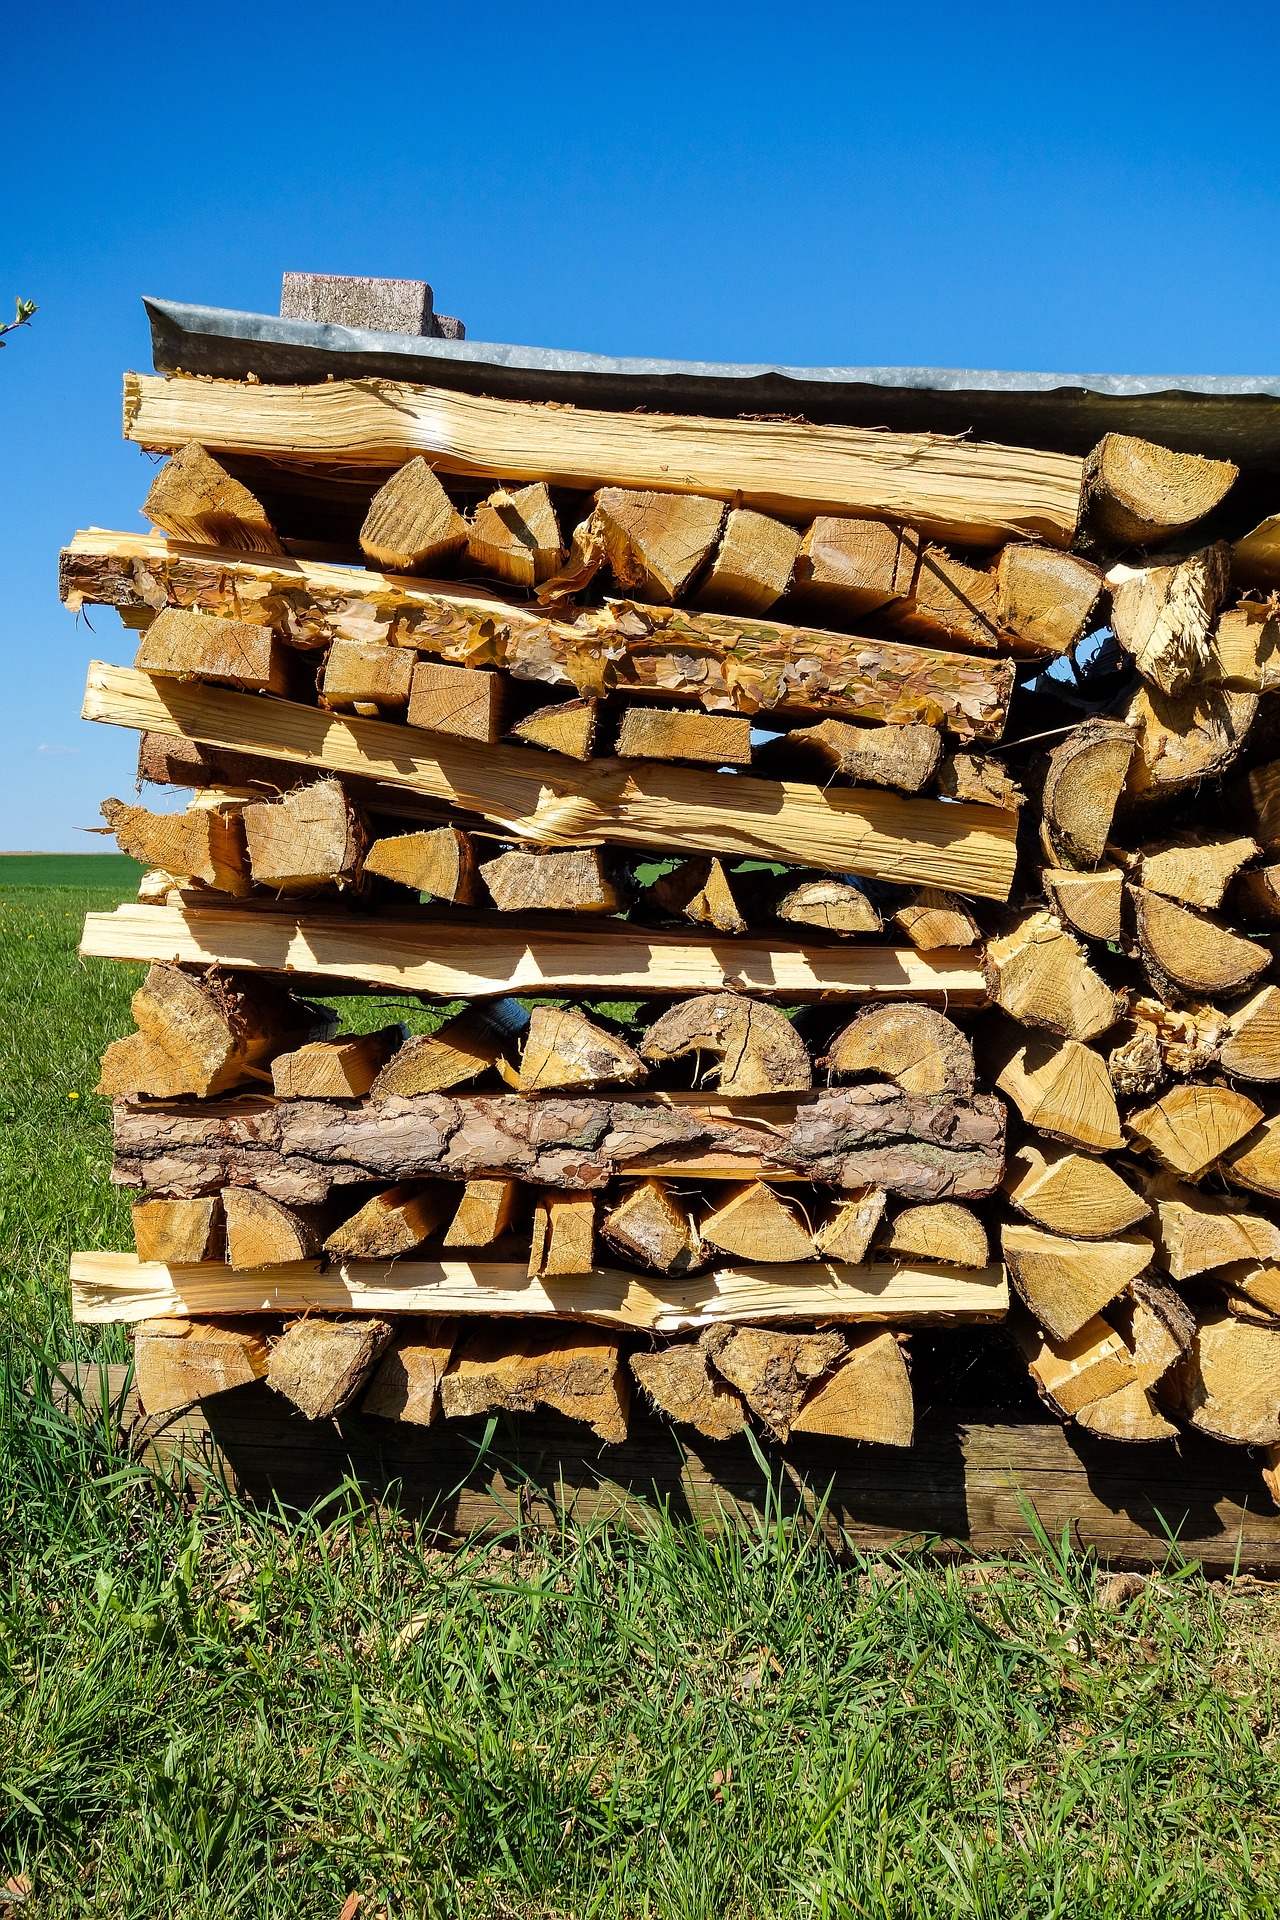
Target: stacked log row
[{"x": 788, "y": 985}]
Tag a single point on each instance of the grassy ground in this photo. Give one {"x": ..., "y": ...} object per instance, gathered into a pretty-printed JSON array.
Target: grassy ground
[{"x": 204, "y": 1713}]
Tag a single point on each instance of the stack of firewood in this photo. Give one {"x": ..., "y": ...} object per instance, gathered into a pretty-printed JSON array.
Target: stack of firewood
[{"x": 769, "y": 815}]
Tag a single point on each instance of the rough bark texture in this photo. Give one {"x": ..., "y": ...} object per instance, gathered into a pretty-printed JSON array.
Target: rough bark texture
[{"x": 920, "y": 1146}]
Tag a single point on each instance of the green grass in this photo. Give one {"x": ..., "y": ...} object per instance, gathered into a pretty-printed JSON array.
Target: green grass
[{"x": 205, "y": 1712}]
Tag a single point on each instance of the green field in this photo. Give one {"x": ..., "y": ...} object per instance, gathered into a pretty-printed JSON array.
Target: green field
[{"x": 205, "y": 1712}]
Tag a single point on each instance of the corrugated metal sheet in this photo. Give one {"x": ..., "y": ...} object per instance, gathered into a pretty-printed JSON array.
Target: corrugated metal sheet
[{"x": 1233, "y": 418}]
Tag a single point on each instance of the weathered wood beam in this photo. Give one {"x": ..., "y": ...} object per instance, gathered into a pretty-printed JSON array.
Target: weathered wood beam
[
  {"x": 869, "y": 831},
  {"x": 119, "y": 1287},
  {"x": 462, "y": 961},
  {"x": 952, "y": 488},
  {"x": 723, "y": 662}
]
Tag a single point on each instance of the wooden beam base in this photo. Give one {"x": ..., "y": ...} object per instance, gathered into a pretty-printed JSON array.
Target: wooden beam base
[
  {"x": 116, "y": 1287},
  {"x": 970, "y": 1484},
  {"x": 456, "y": 960}
]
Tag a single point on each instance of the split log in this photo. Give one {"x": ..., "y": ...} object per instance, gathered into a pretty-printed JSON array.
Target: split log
[
  {"x": 1062, "y": 1089},
  {"x": 979, "y": 779},
  {"x": 918, "y": 1146},
  {"x": 580, "y": 881},
  {"x": 656, "y": 542},
  {"x": 460, "y": 1050},
  {"x": 563, "y": 1049},
  {"x": 1136, "y": 493},
  {"x": 950, "y": 487},
  {"x": 916, "y": 1047},
  {"x": 1085, "y": 776},
  {"x": 179, "y": 1233},
  {"x": 1187, "y": 955},
  {"x": 1093, "y": 903},
  {"x": 231, "y": 653},
  {"x": 753, "y": 564},
  {"x": 683, "y": 810},
  {"x": 1071, "y": 1193},
  {"x": 1191, "y": 1127},
  {"x": 904, "y": 757},
  {"x": 1040, "y": 974},
  {"x": 202, "y": 1036},
  {"x": 462, "y": 703},
  {"x": 204, "y": 844},
  {"x": 1255, "y": 1163},
  {"x": 1193, "y": 868},
  {"x": 755, "y": 1225},
  {"x": 449, "y": 960},
  {"x": 667, "y": 733},
  {"x": 194, "y": 498},
  {"x": 1182, "y": 1040},
  {"x": 820, "y": 900},
  {"x": 440, "y": 862},
  {"x": 1181, "y": 741},
  {"x": 648, "y": 1226},
  {"x": 679, "y": 1381},
  {"x": 1066, "y": 1282},
  {"x": 1244, "y": 648},
  {"x": 406, "y": 1381},
  {"x": 1131, "y": 1414},
  {"x": 1255, "y": 558},
  {"x": 1259, "y": 793},
  {"x": 412, "y": 525},
  {"x": 773, "y": 1371},
  {"x": 392, "y": 1223},
  {"x": 577, "y": 1372},
  {"x": 517, "y": 536},
  {"x": 867, "y": 1397},
  {"x": 949, "y": 600},
  {"x": 367, "y": 677},
  {"x": 564, "y": 1235},
  {"x": 1163, "y": 615},
  {"x": 1251, "y": 1284},
  {"x": 1229, "y": 1384},
  {"x": 166, "y": 762},
  {"x": 341, "y": 1069},
  {"x": 1078, "y": 1372},
  {"x": 939, "y": 1231},
  {"x": 1045, "y": 598},
  {"x": 568, "y": 728},
  {"x": 308, "y": 839},
  {"x": 716, "y": 660},
  {"x": 178, "y": 1362},
  {"x": 698, "y": 891},
  {"x": 848, "y": 1230},
  {"x": 484, "y": 1213},
  {"x": 1158, "y": 1327},
  {"x": 321, "y": 1365},
  {"x": 847, "y": 568},
  {"x": 1255, "y": 896},
  {"x": 758, "y": 1048},
  {"x": 112, "y": 1288},
  {"x": 933, "y": 918},
  {"x": 266, "y": 1233},
  {"x": 1196, "y": 1232}
]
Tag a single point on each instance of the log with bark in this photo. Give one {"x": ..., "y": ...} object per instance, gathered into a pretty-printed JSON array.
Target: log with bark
[
  {"x": 719, "y": 661},
  {"x": 202, "y": 1036}
]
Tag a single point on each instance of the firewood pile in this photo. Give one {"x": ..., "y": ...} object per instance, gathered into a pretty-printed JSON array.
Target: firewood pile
[{"x": 838, "y": 865}]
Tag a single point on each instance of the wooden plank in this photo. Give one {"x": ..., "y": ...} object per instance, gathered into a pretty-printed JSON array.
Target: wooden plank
[
  {"x": 952, "y": 488},
  {"x": 722, "y": 662},
  {"x": 863, "y": 830},
  {"x": 971, "y": 1477},
  {"x": 108, "y": 1287},
  {"x": 466, "y": 961}
]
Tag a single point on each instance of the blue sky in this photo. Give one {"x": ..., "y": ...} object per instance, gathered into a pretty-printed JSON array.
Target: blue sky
[{"x": 1075, "y": 189}]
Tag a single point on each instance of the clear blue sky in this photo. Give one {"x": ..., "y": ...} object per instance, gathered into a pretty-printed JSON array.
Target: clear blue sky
[{"x": 1077, "y": 188}]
